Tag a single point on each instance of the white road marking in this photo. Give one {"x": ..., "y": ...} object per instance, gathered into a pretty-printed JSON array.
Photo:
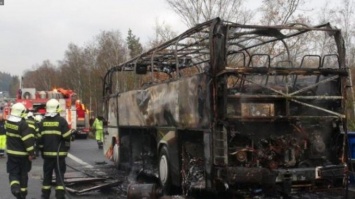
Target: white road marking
[{"x": 78, "y": 160}]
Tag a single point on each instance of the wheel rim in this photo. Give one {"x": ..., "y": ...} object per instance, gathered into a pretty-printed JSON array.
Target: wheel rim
[
  {"x": 163, "y": 169},
  {"x": 116, "y": 154}
]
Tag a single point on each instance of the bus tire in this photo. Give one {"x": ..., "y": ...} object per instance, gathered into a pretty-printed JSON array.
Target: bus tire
[
  {"x": 115, "y": 152},
  {"x": 164, "y": 170},
  {"x": 116, "y": 155}
]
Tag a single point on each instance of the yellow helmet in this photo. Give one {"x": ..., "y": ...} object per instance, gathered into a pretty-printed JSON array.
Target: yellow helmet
[
  {"x": 52, "y": 106},
  {"x": 18, "y": 110}
]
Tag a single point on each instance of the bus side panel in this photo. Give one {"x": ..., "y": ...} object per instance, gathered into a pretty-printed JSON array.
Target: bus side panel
[
  {"x": 194, "y": 102},
  {"x": 183, "y": 104}
]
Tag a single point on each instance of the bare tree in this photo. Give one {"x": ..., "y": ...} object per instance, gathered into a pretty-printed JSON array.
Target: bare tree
[
  {"x": 14, "y": 86},
  {"x": 344, "y": 18},
  {"x": 286, "y": 12},
  {"x": 111, "y": 51},
  {"x": 82, "y": 69},
  {"x": 92, "y": 86},
  {"x": 162, "y": 32},
  {"x": 74, "y": 72},
  {"x": 44, "y": 77},
  {"x": 193, "y": 12},
  {"x": 326, "y": 14},
  {"x": 276, "y": 12}
]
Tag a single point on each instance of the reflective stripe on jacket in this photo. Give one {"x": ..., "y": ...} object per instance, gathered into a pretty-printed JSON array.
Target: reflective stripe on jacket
[
  {"x": 53, "y": 131},
  {"x": 19, "y": 139},
  {"x": 33, "y": 127}
]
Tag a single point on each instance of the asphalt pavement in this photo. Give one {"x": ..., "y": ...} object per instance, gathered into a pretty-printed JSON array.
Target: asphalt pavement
[
  {"x": 84, "y": 155},
  {"x": 84, "y": 159}
]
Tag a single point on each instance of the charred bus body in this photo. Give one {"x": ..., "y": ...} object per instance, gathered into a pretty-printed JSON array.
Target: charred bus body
[{"x": 226, "y": 106}]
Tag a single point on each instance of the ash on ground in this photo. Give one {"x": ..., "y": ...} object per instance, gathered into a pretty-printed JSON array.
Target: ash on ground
[{"x": 137, "y": 176}]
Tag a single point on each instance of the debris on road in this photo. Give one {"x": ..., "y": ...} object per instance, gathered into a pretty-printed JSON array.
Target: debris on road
[
  {"x": 91, "y": 186},
  {"x": 84, "y": 181}
]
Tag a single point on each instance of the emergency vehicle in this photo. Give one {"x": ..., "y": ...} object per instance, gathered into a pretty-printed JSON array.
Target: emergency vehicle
[{"x": 71, "y": 108}]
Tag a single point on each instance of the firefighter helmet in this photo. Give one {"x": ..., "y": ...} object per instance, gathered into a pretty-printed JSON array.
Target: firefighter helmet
[
  {"x": 52, "y": 106},
  {"x": 18, "y": 110},
  {"x": 29, "y": 115},
  {"x": 38, "y": 118}
]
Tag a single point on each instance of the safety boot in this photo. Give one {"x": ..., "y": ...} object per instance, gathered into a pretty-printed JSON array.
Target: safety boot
[
  {"x": 99, "y": 143},
  {"x": 23, "y": 195},
  {"x": 2, "y": 153},
  {"x": 59, "y": 194},
  {"x": 20, "y": 197},
  {"x": 16, "y": 190},
  {"x": 46, "y": 194}
]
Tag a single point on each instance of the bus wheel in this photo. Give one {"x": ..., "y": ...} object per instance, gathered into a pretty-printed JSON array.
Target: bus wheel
[
  {"x": 115, "y": 152},
  {"x": 164, "y": 170},
  {"x": 116, "y": 155}
]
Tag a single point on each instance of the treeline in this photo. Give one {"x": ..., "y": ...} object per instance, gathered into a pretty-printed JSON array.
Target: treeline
[
  {"x": 9, "y": 83},
  {"x": 83, "y": 67}
]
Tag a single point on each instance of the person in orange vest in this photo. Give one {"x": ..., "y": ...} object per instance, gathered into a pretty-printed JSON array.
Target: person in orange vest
[{"x": 2, "y": 136}]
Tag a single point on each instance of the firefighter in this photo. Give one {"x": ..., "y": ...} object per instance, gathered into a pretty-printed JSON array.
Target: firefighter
[
  {"x": 38, "y": 118},
  {"x": 91, "y": 121},
  {"x": 32, "y": 123},
  {"x": 55, "y": 135},
  {"x": 20, "y": 150},
  {"x": 98, "y": 127},
  {"x": 2, "y": 136}
]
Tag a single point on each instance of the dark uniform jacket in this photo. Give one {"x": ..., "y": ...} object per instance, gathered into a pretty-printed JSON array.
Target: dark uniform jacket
[
  {"x": 54, "y": 131},
  {"x": 33, "y": 125},
  {"x": 20, "y": 140}
]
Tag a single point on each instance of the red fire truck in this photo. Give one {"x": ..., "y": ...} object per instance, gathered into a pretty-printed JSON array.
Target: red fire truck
[{"x": 71, "y": 108}]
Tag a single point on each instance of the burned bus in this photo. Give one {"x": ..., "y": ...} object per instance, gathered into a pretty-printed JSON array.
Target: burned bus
[{"x": 224, "y": 106}]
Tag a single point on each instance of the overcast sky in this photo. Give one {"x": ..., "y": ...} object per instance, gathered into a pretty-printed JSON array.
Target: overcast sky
[{"x": 36, "y": 30}]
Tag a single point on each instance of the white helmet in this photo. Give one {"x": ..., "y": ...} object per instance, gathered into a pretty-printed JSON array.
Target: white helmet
[
  {"x": 52, "y": 106},
  {"x": 29, "y": 114},
  {"x": 18, "y": 110},
  {"x": 38, "y": 118}
]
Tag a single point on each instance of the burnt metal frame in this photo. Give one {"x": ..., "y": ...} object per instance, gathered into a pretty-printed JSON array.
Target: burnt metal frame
[
  {"x": 195, "y": 43},
  {"x": 201, "y": 42}
]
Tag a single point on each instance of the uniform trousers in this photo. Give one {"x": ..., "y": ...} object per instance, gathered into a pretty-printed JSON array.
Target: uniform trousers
[
  {"x": 59, "y": 167},
  {"x": 18, "y": 168}
]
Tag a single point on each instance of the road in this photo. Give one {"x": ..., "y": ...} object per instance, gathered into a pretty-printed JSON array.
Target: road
[{"x": 84, "y": 160}]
